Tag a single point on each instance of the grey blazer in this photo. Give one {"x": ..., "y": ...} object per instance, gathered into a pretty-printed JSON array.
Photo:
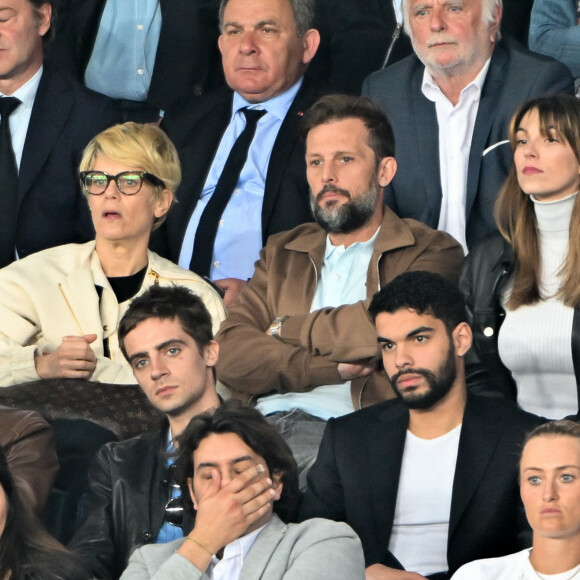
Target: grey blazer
[{"x": 313, "y": 550}]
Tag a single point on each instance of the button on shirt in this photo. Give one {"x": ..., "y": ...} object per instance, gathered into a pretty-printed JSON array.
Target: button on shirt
[
  {"x": 230, "y": 566},
  {"x": 239, "y": 236},
  {"x": 123, "y": 57},
  {"x": 342, "y": 281},
  {"x": 20, "y": 117},
  {"x": 456, "y": 124}
]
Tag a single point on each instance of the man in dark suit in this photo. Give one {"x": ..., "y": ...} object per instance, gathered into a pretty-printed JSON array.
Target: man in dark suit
[
  {"x": 357, "y": 37},
  {"x": 429, "y": 480},
  {"x": 146, "y": 54},
  {"x": 450, "y": 105},
  {"x": 53, "y": 120},
  {"x": 266, "y": 47}
]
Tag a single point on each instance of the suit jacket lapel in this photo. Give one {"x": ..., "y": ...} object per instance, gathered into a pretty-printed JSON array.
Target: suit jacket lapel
[
  {"x": 480, "y": 434},
  {"x": 263, "y": 550},
  {"x": 199, "y": 155},
  {"x": 50, "y": 112},
  {"x": 483, "y": 122},
  {"x": 386, "y": 439},
  {"x": 427, "y": 132},
  {"x": 286, "y": 140}
]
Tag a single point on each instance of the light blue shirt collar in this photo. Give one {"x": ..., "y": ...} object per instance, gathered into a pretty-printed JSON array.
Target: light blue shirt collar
[{"x": 277, "y": 106}]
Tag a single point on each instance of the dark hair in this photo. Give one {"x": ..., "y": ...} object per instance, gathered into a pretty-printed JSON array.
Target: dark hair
[
  {"x": 169, "y": 302},
  {"x": 515, "y": 215},
  {"x": 26, "y": 550},
  {"x": 251, "y": 427},
  {"x": 424, "y": 292},
  {"x": 303, "y": 11},
  {"x": 36, "y": 4},
  {"x": 331, "y": 108}
]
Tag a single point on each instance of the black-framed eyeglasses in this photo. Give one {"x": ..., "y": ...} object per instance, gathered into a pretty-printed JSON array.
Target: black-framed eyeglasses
[
  {"x": 127, "y": 182},
  {"x": 174, "y": 507}
]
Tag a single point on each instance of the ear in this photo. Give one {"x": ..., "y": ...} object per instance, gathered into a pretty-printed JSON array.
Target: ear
[
  {"x": 163, "y": 203},
  {"x": 495, "y": 24},
  {"x": 277, "y": 484},
  {"x": 311, "y": 41},
  {"x": 191, "y": 493},
  {"x": 211, "y": 352},
  {"x": 387, "y": 170},
  {"x": 220, "y": 43},
  {"x": 462, "y": 338},
  {"x": 44, "y": 13}
]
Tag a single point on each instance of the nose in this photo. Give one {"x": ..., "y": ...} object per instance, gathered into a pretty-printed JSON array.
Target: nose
[
  {"x": 248, "y": 44},
  {"x": 158, "y": 368},
  {"x": 112, "y": 189},
  {"x": 403, "y": 358},
  {"x": 437, "y": 20},
  {"x": 530, "y": 149},
  {"x": 550, "y": 491},
  {"x": 328, "y": 173}
]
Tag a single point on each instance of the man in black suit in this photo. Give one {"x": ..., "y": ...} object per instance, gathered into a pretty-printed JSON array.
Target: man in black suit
[
  {"x": 428, "y": 480},
  {"x": 450, "y": 105},
  {"x": 266, "y": 46},
  {"x": 53, "y": 120},
  {"x": 146, "y": 54}
]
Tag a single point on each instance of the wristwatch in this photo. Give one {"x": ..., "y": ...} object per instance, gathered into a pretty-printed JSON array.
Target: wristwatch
[{"x": 277, "y": 325}]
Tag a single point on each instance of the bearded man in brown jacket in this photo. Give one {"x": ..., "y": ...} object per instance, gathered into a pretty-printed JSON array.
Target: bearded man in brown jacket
[{"x": 299, "y": 340}]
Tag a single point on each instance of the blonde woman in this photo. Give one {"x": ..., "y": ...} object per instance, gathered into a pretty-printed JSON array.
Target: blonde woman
[
  {"x": 550, "y": 490},
  {"x": 60, "y": 308},
  {"x": 522, "y": 285}
]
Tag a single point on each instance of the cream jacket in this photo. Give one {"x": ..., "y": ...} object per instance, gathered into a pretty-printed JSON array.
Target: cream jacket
[{"x": 52, "y": 294}]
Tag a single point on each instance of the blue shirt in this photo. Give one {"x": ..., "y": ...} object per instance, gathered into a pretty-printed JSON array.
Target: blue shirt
[
  {"x": 168, "y": 533},
  {"x": 239, "y": 236},
  {"x": 342, "y": 281},
  {"x": 123, "y": 57}
]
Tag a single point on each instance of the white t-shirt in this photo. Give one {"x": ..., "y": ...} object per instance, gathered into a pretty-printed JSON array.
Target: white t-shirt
[
  {"x": 513, "y": 567},
  {"x": 421, "y": 523}
]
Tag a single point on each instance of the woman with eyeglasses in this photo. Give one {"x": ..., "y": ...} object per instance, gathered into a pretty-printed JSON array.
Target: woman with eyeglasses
[
  {"x": 59, "y": 308},
  {"x": 522, "y": 284},
  {"x": 550, "y": 491}
]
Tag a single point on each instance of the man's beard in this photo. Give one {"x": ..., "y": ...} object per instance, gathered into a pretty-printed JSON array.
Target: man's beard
[
  {"x": 337, "y": 218},
  {"x": 439, "y": 383}
]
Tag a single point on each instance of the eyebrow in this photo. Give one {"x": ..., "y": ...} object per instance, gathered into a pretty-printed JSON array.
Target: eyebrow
[
  {"x": 411, "y": 334},
  {"x": 233, "y": 462},
  {"x": 158, "y": 348},
  {"x": 559, "y": 468}
]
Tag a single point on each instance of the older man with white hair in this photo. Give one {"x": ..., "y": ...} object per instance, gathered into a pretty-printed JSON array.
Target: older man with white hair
[{"x": 450, "y": 104}]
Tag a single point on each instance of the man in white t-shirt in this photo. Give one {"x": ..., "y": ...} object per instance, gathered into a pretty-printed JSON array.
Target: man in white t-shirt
[{"x": 427, "y": 480}]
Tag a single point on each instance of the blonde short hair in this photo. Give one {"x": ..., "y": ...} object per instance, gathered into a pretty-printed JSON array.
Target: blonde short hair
[{"x": 142, "y": 146}]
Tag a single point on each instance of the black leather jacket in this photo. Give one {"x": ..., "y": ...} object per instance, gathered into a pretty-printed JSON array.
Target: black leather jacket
[
  {"x": 485, "y": 273},
  {"x": 124, "y": 506}
]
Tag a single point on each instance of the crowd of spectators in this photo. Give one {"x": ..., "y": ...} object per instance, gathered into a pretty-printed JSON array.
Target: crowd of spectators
[{"x": 333, "y": 249}]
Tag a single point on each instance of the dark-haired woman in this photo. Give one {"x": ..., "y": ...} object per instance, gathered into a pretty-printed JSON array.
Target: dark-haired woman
[
  {"x": 522, "y": 285},
  {"x": 26, "y": 551}
]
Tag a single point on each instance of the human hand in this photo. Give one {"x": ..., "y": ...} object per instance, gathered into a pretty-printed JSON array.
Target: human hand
[
  {"x": 73, "y": 359},
  {"x": 225, "y": 513},
  {"x": 350, "y": 371},
  {"x": 231, "y": 287},
  {"x": 380, "y": 572}
]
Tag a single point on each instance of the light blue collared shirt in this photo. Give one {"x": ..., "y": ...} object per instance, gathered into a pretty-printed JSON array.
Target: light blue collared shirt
[
  {"x": 342, "y": 281},
  {"x": 239, "y": 236},
  {"x": 123, "y": 57},
  {"x": 167, "y": 532},
  {"x": 20, "y": 117}
]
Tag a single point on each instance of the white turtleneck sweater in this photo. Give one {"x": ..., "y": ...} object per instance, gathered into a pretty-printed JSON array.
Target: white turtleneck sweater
[{"x": 535, "y": 341}]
